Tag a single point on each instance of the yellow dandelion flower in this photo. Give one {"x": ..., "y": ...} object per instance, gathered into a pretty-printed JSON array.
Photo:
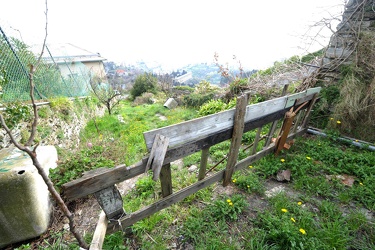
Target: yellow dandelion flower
[
  {"x": 299, "y": 203},
  {"x": 338, "y": 122},
  {"x": 234, "y": 180},
  {"x": 284, "y": 210},
  {"x": 282, "y": 160},
  {"x": 292, "y": 219},
  {"x": 250, "y": 166},
  {"x": 331, "y": 118},
  {"x": 229, "y": 201},
  {"x": 302, "y": 231},
  {"x": 230, "y": 204},
  {"x": 248, "y": 186},
  {"x": 361, "y": 183},
  {"x": 308, "y": 157}
]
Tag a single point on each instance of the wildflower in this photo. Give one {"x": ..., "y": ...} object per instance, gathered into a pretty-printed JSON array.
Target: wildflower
[
  {"x": 338, "y": 122},
  {"x": 331, "y": 118},
  {"x": 299, "y": 203},
  {"x": 361, "y": 183},
  {"x": 230, "y": 204},
  {"x": 308, "y": 157},
  {"x": 229, "y": 201},
  {"x": 292, "y": 219},
  {"x": 302, "y": 231},
  {"x": 234, "y": 180},
  {"x": 248, "y": 186},
  {"x": 284, "y": 210},
  {"x": 250, "y": 166},
  {"x": 282, "y": 160}
]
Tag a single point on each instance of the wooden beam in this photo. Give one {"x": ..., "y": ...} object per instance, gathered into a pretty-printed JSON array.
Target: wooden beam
[
  {"x": 238, "y": 129},
  {"x": 99, "y": 234},
  {"x": 132, "y": 218}
]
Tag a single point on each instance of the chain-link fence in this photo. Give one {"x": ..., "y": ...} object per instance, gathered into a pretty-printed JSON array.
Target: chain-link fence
[{"x": 15, "y": 60}]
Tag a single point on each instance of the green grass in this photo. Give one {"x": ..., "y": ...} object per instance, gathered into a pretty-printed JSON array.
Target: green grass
[{"x": 321, "y": 212}]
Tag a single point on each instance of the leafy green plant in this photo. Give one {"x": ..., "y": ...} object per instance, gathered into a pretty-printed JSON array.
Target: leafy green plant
[
  {"x": 144, "y": 83},
  {"x": 78, "y": 163},
  {"x": 145, "y": 186},
  {"x": 229, "y": 207},
  {"x": 249, "y": 181},
  {"x": 16, "y": 112}
]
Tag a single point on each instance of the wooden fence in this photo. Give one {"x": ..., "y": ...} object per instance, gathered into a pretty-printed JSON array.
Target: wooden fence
[{"x": 177, "y": 141}]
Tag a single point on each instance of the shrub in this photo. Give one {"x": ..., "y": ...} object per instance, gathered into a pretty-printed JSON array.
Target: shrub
[{"x": 144, "y": 83}]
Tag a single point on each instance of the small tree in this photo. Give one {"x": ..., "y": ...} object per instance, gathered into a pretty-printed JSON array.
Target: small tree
[
  {"x": 107, "y": 94},
  {"x": 144, "y": 83}
]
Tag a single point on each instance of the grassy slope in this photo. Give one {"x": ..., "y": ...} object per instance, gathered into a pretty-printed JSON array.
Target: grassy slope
[{"x": 314, "y": 213}]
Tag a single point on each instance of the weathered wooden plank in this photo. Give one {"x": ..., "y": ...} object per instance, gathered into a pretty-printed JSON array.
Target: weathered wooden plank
[
  {"x": 106, "y": 177},
  {"x": 110, "y": 201},
  {"x": 164, "y": 203},
  {"x": 157, "y": 155},
  {"x": 205, "y": 126},
  {"x": 166, "y": 180},
  {"x": 238, "y": 128},
  {"x": 284, "y": 132},
  {"x": 130, "y": 219},
  {"x": 301, "y": 97},
  {"x": 99, "y": 234},
  {"x": 203, "y": 163}
]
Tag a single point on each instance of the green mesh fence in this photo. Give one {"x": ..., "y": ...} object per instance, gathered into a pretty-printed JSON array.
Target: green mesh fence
[{"x": 15, "y": 58}]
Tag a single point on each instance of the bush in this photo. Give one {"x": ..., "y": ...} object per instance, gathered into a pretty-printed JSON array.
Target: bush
[
  {"x": 144, "y": 83},
  {"x": 196, "y": 100}
]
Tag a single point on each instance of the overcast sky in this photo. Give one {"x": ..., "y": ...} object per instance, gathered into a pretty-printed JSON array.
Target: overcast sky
[{"x": 174, "y": 32}]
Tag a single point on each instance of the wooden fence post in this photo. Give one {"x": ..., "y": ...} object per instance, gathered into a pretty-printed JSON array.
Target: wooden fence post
[
  {"x": 166, "y": 180},
  {"x": 99, "y": 234},
  {"x": 238, "y": 128},
  {"x": 203, "y": 165}
]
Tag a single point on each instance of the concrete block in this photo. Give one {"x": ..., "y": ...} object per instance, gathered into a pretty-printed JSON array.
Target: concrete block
[
  {"x": 25, "y": 206},
  {"x": 170, "y": 103}
]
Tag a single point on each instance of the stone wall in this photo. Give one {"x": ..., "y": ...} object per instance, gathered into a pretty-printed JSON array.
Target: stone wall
[
  {"x": 359, "y": 16},
  {"x": 59, "y": 130}
]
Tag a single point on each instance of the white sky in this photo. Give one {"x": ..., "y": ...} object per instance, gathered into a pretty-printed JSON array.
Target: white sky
[{"x": 173, "y": 32}]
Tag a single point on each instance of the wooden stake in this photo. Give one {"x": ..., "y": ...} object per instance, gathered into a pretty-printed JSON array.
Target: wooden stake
[
  {"x": 166, "y": 180},
  {"x": 100, "y": 231},
  {"x": 203, "y": 165},
  {"x": 256, "y": 141},
  {"x": 238, "y": 128}
]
